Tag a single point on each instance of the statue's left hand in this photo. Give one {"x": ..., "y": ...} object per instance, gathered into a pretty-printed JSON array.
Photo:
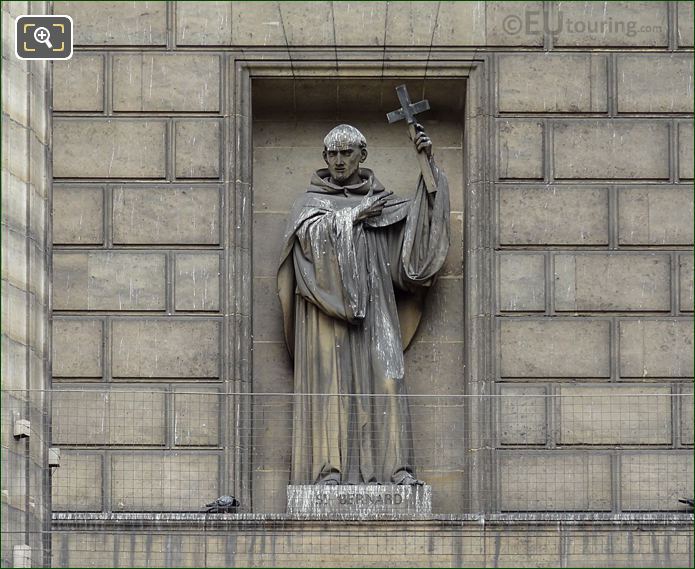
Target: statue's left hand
[{"x": 422, "y": 141}]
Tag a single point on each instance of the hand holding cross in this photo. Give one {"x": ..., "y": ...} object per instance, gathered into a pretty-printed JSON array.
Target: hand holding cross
[{"x": 423, "y": 145}]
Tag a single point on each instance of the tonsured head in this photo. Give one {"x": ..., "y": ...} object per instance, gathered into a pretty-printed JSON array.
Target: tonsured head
[{"x": 344, "y": 149}]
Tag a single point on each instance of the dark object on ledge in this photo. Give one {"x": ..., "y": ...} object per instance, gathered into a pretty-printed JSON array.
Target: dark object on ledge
[
  {"x": 223, "y": 505},
  {"x": 689, "y": 501}
]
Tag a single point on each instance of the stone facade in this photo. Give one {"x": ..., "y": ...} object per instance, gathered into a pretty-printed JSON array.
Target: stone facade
[{"x": 181, "y": 134}]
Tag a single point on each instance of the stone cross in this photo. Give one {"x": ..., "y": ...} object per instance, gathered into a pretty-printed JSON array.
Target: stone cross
[{"x": 408, "y": 111}]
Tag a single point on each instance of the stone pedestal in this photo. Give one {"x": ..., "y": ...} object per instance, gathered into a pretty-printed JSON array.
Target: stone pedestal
[{"x": 359, "y": 502}]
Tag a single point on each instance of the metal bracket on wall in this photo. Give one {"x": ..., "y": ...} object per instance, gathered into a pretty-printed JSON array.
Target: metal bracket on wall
[{"x": 22, "y": 428}]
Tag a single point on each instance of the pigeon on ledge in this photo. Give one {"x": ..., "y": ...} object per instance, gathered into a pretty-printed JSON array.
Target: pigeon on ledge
[
  {"x": 223, "y": 505},
  {"x": 689, "y": 501}
]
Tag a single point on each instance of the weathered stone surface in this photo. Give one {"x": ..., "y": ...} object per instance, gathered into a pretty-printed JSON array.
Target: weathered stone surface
[
  {"x": 267, "y": 313},
  {"x": 98, "y": 148},
  {"x": 513, "y": 23},
  {"x": 14, "y": 71},
  {"x": 272, "y": 368},
  {"x": 15, "y": 156},
  {"x": 116, "y": 23},
  {"x": 180, "y": 82},
  {"x": 442, "y": 318},
  {"x": 615, "y": 415},
  {"x": 198, "y": 149},
  {"x": 257, "y": 24},
  {"x": 204, "y": 24},
  {"x": 14, "y": 203},
  {"x": 655, "y": 480},
  {"x": 685, "y": 150},
  {"x": 14, "y": 259},
  {"x": 271, "y": 432},
  {"x": 656, "y": 348},
  {"x": 434, "y": 368},
  {"x": 270, "y": 490},
  {"x": 554, "y": 216},
  {"x": 359, "y": 502},
  {"x": 556, "y": 348},
  {"x": 197, "y": 416},
  {"x": 619, "y": 24},
  {"x": 109, "y": 281},
  {"x": 655, "y": 216},
  {"x": 686, "y": 270},
  {"x": 197, "y": 281},
  {"x": 268, "y": 231},
  {"x": 611, "y": 149},
  {"x": 461, "y": 23},
  {"x": 359, "y": 24},
  {"x": 180, "y": 481},
  {"x": 78, "y": 216},
  {"x": 163, "y": 348},
  {"x": 612, "y": 281},
  {"x": 77, "y": 484},
  {"x": 76, "y": 346},
  {"x": 521, "y": 149},
  {"x": 78, "y": 83},
  {"x": 686, "y": 405},
  {"x": 522, "y": 282},
  {"x": 685, "y": 24},
  {"x": 14, "y": 313},
  {"x": 552, "y": 83},
  {"x": 655, "y": 83},
  {"x": 523, "y": 415},
  {"x": 554, "y": 481},
  {"x": 113, "y": 417},
  {"x": 312, "y": 27},
  {"x": 176, "y": 215},
  {"x": 413, "y": 25}
]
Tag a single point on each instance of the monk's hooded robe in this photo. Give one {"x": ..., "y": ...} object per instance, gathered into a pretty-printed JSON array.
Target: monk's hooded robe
[{"x": 351, "y": 296}]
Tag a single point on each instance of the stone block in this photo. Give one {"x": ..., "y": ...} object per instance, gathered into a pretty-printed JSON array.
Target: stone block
[
  {"x": 78, "y": 215},
  {"x": 303, "y": 26},
  {"x": 461, "y": 23},
  {"x": 686, "y": 404},
  {"x": 109, "y": 281},
  {"x": 558, "y": 85},
  {"x": 442, "y": 317},
  {"x": 434, "y": 368},
  {"x": 271, "y": 434},
  {"x": 163, "y": 482},
  {"x": 272, "y": 368},
  {"x": 203, "y": 24},
  {"x": 268, "y": 231},
  {"x": 359, "y": 24},
  {"x": 655, "y": 480},
  {"x": 14, "y": 259},
  {"x": 14, "y": 364},
  {"x": 437, "y": 431},
  {"x": 523, "y": 415},
  {"x": 116, "y": 23},
  {"x": 14, "y": 313},
  {"x": 99, "y": 148},
  {"x": 596, "y": 149},
  {"x": 257, "y": 24},
  {"x": 520, "y": 149},
  {"x": 267, "y": 313},
  {"x": 270, "y": 490},
  {"x": 77, "y": 484},
  {"x": 514, "y": 23},
  {"x": 162, "y": 348},
  {"x": 15, "y": 145},
  {"x": 14, "y": 101},
  {"x": 171, "y": 215},
  {"x": 453, "y": 264},
  {"x": 612, "y": 281},
  {"x": 173, "y": 82},
  {"x": 197, "y": 281},
  {"x": 554, "y": 481},
  {"x": 685, "y": 272},
  {"x": 136, "y": 417},
  {"x": 554, "y": 348},
  {"x": 198, "y": 149},
  {"x": 359, "y": 502},
  {"x": 197, "y": 416},
  {"x": 616, "y": 24},
  {"x": 656, "y": 348},
  {"x": 650, "y": 83},
  {"x": 615, "y": 415},
  {"x": 76, "y": 346},
  {"x": 78, "y": 83},
  {"x": 553, "y": 216},
  {"x": 448, "y": 490},
  {"x": 685, "y": 150},
  {"x": 412, "y": 25},
  {"x": 655, "y": 216},
  {"x": 685, "y": 24},
  {"x": 522, "y": 282},
  {"x": 80, "y": 417},
  {"x": 14, "y": 203}
]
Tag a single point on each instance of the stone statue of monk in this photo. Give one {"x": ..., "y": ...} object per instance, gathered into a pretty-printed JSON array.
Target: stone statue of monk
[{"x": 355, "y": 264}]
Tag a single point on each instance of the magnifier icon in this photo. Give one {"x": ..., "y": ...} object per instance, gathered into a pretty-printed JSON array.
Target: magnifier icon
[{"x": 42, "y": 35}]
